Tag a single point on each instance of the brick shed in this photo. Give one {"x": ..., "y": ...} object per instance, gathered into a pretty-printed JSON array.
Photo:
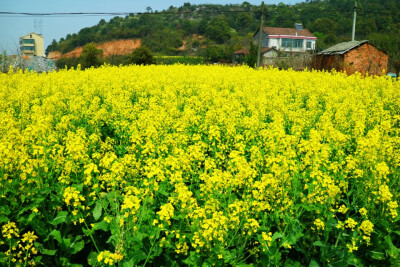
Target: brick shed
[{"x": 353, "y": 56}]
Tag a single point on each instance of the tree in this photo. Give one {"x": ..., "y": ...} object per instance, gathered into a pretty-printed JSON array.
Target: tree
[
  {"x": 216, "y": 53},
  {"x": 102, "y": 22},
  {"x": 218, "y": 30},
  {"x": 244, "y": 20},
  {"x": 91, "y": 56},
  {"x": 325, "y": 26},
  {"x": 142, "y": 56},
  {"x": 251, "y": 58}
]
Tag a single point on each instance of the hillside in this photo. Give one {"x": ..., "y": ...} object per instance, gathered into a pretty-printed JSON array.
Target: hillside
[
  {"x": 230, "y": 27},
  {"x": 110, "y": 48}
]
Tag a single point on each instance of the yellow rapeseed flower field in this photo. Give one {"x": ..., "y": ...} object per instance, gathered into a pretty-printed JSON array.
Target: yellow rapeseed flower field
[{"x": 199, "y": 165}]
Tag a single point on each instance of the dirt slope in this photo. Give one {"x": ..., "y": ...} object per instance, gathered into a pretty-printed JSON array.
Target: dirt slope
[{"x": 112, "y": 48}]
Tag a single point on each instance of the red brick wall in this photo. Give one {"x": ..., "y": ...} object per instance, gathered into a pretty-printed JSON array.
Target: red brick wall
[
  {"x": 365, "y": 58},
  {"x": 329, "y": 62}
]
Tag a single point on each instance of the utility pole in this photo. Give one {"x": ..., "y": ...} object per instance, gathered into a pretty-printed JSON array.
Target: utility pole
[
  {"x": 260, "y": 36},
  {"x": 353, "y": 34}
]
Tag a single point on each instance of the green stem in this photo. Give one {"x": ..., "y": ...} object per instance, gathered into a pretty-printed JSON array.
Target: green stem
[
  {"x": 9, "y": 256},
  {"x": 91, "y": 236},
  {"x": 26, "y": 258},
  {"x": 337, "y": 240},
  {"x": 151, "y": 248}
]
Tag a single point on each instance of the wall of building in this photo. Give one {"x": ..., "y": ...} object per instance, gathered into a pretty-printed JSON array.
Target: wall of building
[
  {"x": 270, "y": 42},
  {"x": 329, "y": 62},
  {"x": 38, "y": 45},
  {"x": 39, "y": 49},
  {"x": 366, "y": 59},
  {"x": 264, "y": 39},
  {"x": 270, "y": 54}
]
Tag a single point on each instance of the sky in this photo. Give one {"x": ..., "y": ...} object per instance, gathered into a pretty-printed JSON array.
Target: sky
[{"x": 14, "y": 26}]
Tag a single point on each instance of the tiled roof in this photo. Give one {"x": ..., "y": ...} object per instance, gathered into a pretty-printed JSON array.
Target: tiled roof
[
  {"x": 287, "y": 31},
  {"x": 267, "y": 49},
  {"x": 341, "y": 48},
  {"x": 242, "y": 51}
]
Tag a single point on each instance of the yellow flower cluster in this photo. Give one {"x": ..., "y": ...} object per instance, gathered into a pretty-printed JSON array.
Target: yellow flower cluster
[
  {"x": 350, "y": 223},
  {"x": 9, "y": 230},
  {"x": 166, "y": 212},
  {"x": 130, "y": 205},
  {"x": 343, "y": 209},
  {"x": 267, "y": 238},
  {"x": 23, "y": 250},
  {"x": 73, "y": 197},
  {"x": 319, "y": 224},
  {"x": 109, "y": 258},
  {"x": 363, "y": 211},
  {"x": 366, "y": 227}
]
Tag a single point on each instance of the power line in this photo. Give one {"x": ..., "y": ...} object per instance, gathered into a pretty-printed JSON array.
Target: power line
[{"x": 122, "y": 13}]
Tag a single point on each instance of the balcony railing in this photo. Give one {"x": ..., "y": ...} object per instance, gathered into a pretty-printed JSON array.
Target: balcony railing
[{"x": 28, "y": 41}]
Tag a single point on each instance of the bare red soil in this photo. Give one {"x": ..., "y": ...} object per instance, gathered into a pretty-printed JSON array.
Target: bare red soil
[{"x": 112, "y": 48}]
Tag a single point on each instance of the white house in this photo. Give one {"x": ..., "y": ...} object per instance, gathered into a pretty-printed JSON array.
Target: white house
[
  {"x": 293, "y": 40},
  {"x": 32, "y": 44}
]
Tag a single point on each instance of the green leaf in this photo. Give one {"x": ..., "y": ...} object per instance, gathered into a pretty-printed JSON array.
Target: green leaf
[
  {"x": 318, "y": 244},
  {"x": 50, "y": 252},
  {"x": 60, "y": 218},
  {"x": 191, "y": 260},
  {"x": 276, "y": 235},
  {"x": 128, "y": 263},
  {"x": 92, "y": 258},
  {"x": 5, "y": 209},
  {"x": 97, "y": 211},
  {"x": 377, "y": 255},
  {"x": 103, "y": 225},
  {"x": 391, "y": 249},
  {"x": 67, "y": 242},
  {"x": 313, "y": 263},
  {"x": 353, "y": 260},
  {"x": 3, "y": 258},
  {"x": 77, "y": 245},
  {"x": 137, "y": 256},
  {"x": 3, "y": 219},
  {"x": 56, "y": 236},
  {"x": 31, "y": 217}
]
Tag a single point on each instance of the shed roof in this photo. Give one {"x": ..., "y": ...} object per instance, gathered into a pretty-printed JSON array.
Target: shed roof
[
  {"x": 242, "y": 52},
  {"x": 342, "y": 48}
]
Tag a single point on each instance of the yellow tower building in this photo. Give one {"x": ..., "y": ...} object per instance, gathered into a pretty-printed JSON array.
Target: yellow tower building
[{"x": 32, "y": 44}]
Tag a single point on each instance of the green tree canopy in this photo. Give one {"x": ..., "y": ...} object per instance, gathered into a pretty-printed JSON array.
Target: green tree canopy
[
  {"x": 91, "y": 56},
  {"x": 218, "y": 30},
  {"x": 142, "y": 56}
]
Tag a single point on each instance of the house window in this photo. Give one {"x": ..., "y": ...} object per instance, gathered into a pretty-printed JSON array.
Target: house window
[
  {"x": 308, "y": 45},
  {"x": 28, "y": 48},
  {"x": 28, "y": 41},
  {"x": 292, "y": 43},
  {"x": 286, "y": 42}
]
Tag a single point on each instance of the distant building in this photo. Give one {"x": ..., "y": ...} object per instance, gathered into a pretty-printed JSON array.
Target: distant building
[
  {"x": 287, "y": 40},
  {"x": 32, "y": 44},
  {"x": 351, "y": 57},
  {"x": 267, "y": 54}
]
